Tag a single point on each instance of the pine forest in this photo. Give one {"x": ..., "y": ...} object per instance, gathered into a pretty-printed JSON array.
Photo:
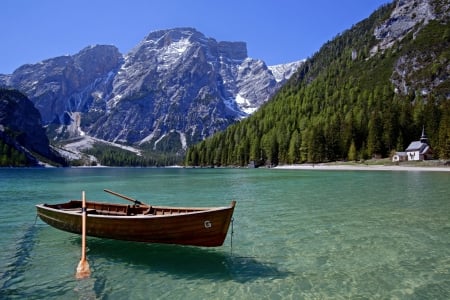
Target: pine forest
[{"x": 342, "y": 104}]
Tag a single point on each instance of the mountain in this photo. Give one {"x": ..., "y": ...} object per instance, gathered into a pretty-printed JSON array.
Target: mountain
[
  {"x": 23, "y": 141},
  {"x": 175, "y": 88},
  {"x": 367, "y": 93},
  {"x": 66, "y": 84}
]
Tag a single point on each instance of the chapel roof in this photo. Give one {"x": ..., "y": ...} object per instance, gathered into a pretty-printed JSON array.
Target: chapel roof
[{"x": 422, "y": 145}]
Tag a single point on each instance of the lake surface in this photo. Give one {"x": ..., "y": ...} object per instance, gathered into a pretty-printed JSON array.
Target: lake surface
[{"x": 296, "y": 235}]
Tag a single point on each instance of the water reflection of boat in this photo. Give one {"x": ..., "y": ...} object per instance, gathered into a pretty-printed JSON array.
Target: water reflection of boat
[{"x": 182, "y": 262}]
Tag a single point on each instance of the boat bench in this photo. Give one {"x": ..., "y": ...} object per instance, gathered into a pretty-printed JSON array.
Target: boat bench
[
  {"x": 78, "y": 209},
  {"x": 125, "y": 211}
]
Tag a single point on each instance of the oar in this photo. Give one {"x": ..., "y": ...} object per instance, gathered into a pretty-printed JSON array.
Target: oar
[
  {"x": 137, "y": 202},
  {"x": 83, "y": 266}
]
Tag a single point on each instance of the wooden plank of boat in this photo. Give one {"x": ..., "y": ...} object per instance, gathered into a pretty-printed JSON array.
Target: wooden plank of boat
[{"x": 201, "y": 226}]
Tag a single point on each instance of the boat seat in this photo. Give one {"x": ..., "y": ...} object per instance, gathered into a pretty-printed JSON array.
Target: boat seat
[{"x": 79, "y": 210}]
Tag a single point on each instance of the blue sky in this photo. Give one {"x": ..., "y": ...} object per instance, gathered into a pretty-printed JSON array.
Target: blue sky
[{"x": 275, "y": 31}]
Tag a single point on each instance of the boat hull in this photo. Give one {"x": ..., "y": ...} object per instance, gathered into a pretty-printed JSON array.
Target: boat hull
[{"x": 205, "y": 227}]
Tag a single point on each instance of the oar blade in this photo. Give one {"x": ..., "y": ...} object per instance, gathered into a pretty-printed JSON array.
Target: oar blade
[{"x": 83, "y": 270}]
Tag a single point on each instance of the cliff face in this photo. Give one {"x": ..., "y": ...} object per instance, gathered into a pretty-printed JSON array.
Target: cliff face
[
  {"x": 21, "y": 127},
  {"x": 175, "y": 82},
  {"x": 409, "y": 16},
  {"x": 415, "y": 18},
  {"x": 67, "y": 83}
]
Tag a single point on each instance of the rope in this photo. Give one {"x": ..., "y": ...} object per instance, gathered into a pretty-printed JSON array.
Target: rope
[{"x": 231, "y": 239}]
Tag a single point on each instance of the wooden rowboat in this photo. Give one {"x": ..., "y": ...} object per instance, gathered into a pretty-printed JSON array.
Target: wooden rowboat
[{"x": 201, "y": 226}]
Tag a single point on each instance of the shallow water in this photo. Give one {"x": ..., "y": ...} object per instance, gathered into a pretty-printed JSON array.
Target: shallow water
[{"x": 296, "y": 235}]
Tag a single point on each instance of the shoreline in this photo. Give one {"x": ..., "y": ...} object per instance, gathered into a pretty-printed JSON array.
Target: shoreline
[
  {"x": 343, "y": 167},
  {"x": 332, "y": 167}
]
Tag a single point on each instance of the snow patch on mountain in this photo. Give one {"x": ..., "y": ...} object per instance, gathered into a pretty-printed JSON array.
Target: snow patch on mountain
[
  {"x": 282, "y": 72},
  {"x": 245, "y": 104},
  {"x": 174, "y": 81}
]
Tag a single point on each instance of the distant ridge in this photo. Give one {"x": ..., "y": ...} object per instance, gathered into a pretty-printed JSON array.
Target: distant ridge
[{"x": 175, "y": 88}]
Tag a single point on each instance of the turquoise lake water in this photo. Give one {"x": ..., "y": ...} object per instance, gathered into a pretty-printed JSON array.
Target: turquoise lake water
[{"x": 296, "y": 235}]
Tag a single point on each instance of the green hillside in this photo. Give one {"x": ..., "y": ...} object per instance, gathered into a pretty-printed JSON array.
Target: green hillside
[
  {"x": 342, "y": 103},
  {"x": 23, "y": 142}
]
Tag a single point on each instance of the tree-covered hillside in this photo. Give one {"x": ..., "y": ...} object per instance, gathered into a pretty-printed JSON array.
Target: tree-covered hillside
[
  {"x": 344, "y": 103},
  {"x": 23, "y": 142}
]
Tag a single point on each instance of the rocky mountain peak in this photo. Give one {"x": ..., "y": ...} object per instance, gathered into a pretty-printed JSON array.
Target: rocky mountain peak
[
  {"x": 176, "y": 87},
  {"x": 177, "y": 39},
  {"x": 66, "y": 83}
]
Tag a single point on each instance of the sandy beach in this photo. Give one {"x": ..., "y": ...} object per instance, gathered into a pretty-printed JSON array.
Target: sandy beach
[{"x": 362, "y": 167}]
